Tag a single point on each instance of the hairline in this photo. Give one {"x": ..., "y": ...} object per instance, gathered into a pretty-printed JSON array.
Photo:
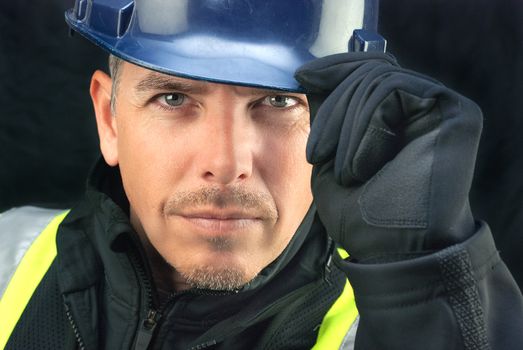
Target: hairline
[{"x": 115, "y": 67}]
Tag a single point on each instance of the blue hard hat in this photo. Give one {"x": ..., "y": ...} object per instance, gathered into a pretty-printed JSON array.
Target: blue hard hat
[{"x": 244, "y": 42}]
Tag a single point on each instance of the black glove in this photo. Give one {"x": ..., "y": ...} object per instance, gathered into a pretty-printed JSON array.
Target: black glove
[{"x": 393, "y": 154}]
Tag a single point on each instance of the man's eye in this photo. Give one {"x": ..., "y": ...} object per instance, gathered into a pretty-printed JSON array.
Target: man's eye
[
  {"x": 280, "y": 101},
  {"x": 173, "y": 99}
]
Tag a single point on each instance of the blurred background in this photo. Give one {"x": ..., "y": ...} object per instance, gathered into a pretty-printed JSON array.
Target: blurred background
[{"x": 48, "y": 138}]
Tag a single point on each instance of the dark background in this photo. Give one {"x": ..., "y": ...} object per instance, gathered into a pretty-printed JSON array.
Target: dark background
[{"x": 47, "y": 132}]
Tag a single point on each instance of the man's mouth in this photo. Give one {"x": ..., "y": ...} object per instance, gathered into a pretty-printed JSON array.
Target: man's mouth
[{"x": 221, "y": 221}]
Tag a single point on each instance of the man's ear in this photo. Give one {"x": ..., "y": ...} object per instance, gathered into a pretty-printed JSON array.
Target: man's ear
[{"x": 101, "y": 85}]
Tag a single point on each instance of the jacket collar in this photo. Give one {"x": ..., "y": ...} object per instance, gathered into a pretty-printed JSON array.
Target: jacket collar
[
  {"x": 106, "y": 190},
  {"x": 94, "y": 250}
]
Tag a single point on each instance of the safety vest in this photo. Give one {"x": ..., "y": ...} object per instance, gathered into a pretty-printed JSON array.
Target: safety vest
[{"x": 27, "y": 254}]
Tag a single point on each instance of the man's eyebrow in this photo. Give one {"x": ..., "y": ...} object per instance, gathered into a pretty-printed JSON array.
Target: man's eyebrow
[
  {"x": 155, "y": 81},
  {"x": 261, "y": 91},
  {"x": 160, "y": 82}
]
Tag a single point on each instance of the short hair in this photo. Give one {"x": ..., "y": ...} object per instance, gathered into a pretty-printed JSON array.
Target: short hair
[{"x": 115, "y": 64}]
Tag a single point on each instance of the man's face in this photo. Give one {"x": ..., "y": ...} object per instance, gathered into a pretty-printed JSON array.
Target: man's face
[{"x": 215, "y": 174}]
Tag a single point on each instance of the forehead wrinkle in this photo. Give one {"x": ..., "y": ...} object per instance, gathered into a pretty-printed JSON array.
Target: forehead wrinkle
[
  {"x": 155, "y": 81},
  {"x": 249, "y": 91}
]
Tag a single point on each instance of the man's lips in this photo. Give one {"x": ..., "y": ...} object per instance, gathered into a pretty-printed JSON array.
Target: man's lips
[
  {"x": 220, "y": 222},
  {"x": 220, "y": 215}
]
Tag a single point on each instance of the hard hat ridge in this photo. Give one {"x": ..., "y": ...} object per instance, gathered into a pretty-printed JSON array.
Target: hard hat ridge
[{"x": 243, "y": 42}]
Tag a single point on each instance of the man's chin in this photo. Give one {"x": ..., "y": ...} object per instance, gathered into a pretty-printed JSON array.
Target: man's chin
[{"x": 219, "y": 278}]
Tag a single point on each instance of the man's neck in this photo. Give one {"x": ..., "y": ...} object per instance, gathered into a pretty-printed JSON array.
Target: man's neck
[{"x": 167, "y": 280}]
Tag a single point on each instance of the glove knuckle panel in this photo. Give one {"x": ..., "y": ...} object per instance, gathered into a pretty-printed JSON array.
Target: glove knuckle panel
[{"x": 391, "y": 199}]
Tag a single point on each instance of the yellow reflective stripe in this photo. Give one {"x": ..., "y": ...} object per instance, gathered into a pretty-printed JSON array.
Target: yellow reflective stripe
[
  {"x": 337, "y": 321},
  {"x": 343, "y": 253},
  {"x": 27, "y": 277},
  {"x": 339, "y": 318}
]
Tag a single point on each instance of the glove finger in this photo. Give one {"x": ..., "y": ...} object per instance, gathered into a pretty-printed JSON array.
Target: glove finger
[
  {"x": 395, "y": 100},
  {"x": 323, "y": 75},
  {"x": 331, "y": 200},
  {"x": 357, "y": 122},
  {"x": 332, "y": 115},
  {"x": 327, "y": 124}
]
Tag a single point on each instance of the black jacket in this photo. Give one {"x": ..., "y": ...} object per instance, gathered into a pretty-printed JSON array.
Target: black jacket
[{"x": 98, "y": 293}]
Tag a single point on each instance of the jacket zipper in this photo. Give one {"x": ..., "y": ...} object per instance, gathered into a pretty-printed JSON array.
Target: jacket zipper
[
  {"x": 154, "y": 318},
  {"x": 154, "y": 315},
  {"x": 204, "y": 345},
  {"x": 149, "y": 323},
  {"x": 146, "y": 331},
  {"x": 79, "y": 340}
]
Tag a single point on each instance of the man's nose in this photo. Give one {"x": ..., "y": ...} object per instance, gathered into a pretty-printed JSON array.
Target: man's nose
[{"x": 226, "y": 155}]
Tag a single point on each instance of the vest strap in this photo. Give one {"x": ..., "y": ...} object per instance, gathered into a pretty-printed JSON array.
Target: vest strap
[
  {"x": 339, "y": 323},
  {"x": 27, "y": 277}
]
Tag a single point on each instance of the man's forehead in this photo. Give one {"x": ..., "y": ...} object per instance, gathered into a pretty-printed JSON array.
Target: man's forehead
[{"x": 144, "y": 80}]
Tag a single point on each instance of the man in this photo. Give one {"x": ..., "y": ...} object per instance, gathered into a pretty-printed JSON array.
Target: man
[{"x": 199, "y": 228}]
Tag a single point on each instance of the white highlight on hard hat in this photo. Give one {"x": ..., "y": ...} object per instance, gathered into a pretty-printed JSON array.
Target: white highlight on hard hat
[
  {"x": 335, "y": 24},
  {"x": 203, "y": 46},
  {"x": 162, "y": 17}
]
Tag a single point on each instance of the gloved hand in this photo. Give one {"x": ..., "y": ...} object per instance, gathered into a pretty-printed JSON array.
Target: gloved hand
[{"x": 393, "y": 154}]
